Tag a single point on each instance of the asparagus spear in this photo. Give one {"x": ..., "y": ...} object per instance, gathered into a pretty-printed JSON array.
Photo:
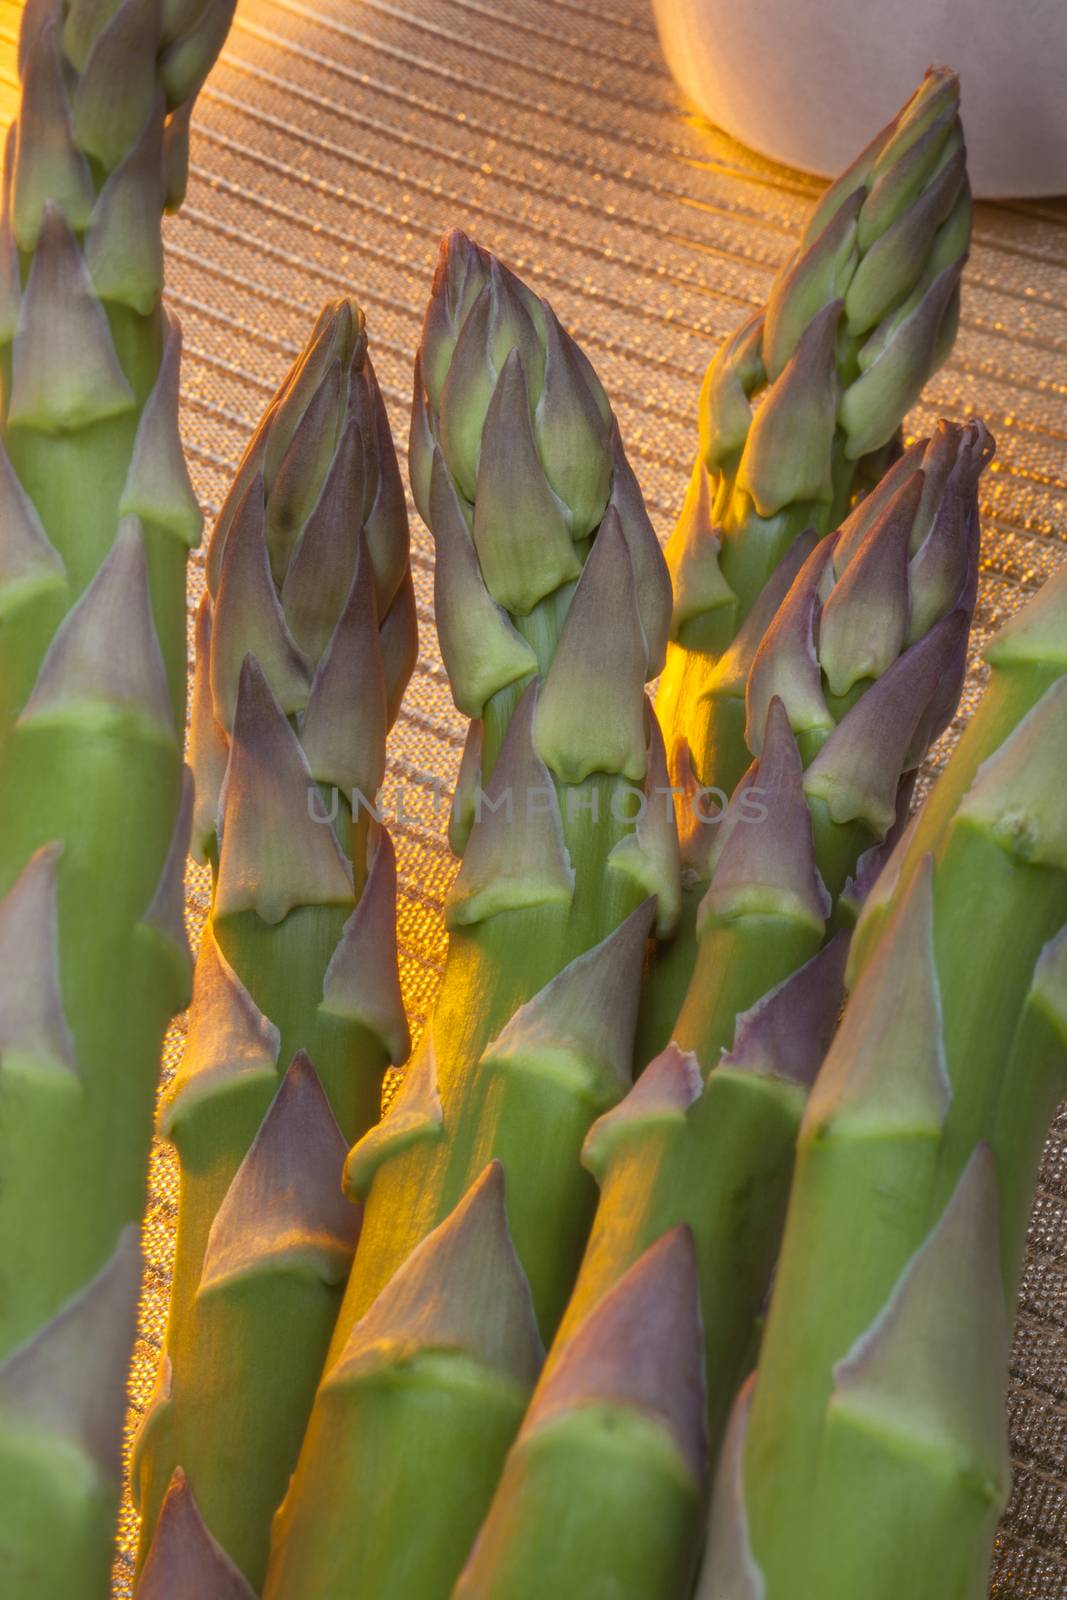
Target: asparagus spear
[
  {"x": 96, "y": 518},
  {"x": 601, "y": 1491},
  {"x": 871, "y": 1421},
  {"x": 799, "y": 412},
  {"x": 306, "y": 638},
  {"x": 413, "y": 1419},
  {"x": 867, "y": 649},
  {"x": 568, "y": 855},
  {"x": 533, "y": 1030}
]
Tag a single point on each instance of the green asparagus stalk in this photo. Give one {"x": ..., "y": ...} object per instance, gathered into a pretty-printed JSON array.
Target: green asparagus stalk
[
  {"x": 866, "y": 648},
  {"x": 186, "y": 1563},
  {"x": 533, "y": 1030},
  {"x": 306, "y": 638},
  {"x": 96, "y": 518},
  {"x": 868, "y": 1432},
  {"x": 569, "y": 855},
  {"x": 414, "y": 1418},
  {"x": 602, "y": 1489}
]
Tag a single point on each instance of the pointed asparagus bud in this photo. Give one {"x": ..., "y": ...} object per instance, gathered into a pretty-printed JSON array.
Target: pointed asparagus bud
[
  {"x": 786, "y": 664},
  {"x": 69, "y": 1380},
  {"x": 730, "y": 1570},
  {"x": 461, "y": 1289},
  {"x": 209, "y": 748},
  {"x": 590, "y": 715},
  {"x": 943, "y": 569},
  {"x": 864, "y": 621},
  {"x": 157, "y": 487},
  {"x": 787, "y": 1033},
  {"x": 414, "y": 1115},
  {"x": 230, "y": 1041},
  {"x": 649, "y": 855},
  {"x": 344, "y": 727},
  {"x": 105, "y": 654},
  {"x": 660, "y": 1097},
  {"x": 460, "y": 275},
  {"x": 734, "y": 373},
  {"x": 579, "y": 1028},
  {"x": 895, "y": 363},
  {"x": 274, "y": 852},
  {"x": 82, "y": 26},
  {"x": 767, "y": 865},
  {"x": 123, "y": 243},
  {"x": 516, "y": 855},
  {"x": 64, "y": 370},
  {"x": 468, "y": 786},
  {"x": 693, "y": 556},
  {"x": 362, "y": 981},
  {"x": 400, "y": 646},
  {"x": 34, "y": 1035},
  {"x": 386, "y": 523},
  {"x": 640, "y": 1348},
  {"x": 651, "y": 576},
  {"x": 164, "y": 921},
  {"x": 521, "y": 528},
  {"x": 887, "y": 269},
  {"x": 902, "y": 181},
  {"x": 186, "y": 1562},
  {"x": 301, "y": 473},
  {"x": 573, "y": 430},
  {"x": 320, "y": 573},
  {"x": 888, "y": 730},
  {"x": 482, "y": 651},
  {"x": 818, "y": 274},
  {"x": 29, "y": 562},
  {"x": 249, "y": 619},
  {"x": 1017, "y": 797},
  {"x": 903, "y": 1086},
  {"x": 49, "y": 167},
  {"x": 949, "y": 1304},
  {"x": 787, "y": 453},
  {"x": 106, "y": 124},
  {"x": 337, "y": 331},
  {"x": 285, "y": 1208},
  {"x": 499, "y": 322}
]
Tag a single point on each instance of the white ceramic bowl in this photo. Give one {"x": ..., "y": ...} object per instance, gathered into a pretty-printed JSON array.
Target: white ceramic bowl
[{"x": 809, "y": 82}]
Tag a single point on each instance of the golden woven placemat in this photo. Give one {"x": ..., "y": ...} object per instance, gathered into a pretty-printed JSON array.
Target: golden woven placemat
[{"x": 335, "y": 142}]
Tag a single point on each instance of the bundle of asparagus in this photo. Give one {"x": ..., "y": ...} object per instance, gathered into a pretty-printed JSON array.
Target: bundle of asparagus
[
  {"x": 96, "y": 519},
  {"x": 870, "y": 1455},
  {"x": 306, "y": 639},
  {"x": 792, "y": 406}
]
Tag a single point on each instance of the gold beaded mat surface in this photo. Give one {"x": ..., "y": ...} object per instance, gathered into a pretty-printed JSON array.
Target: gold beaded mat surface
[{"x": 334, "y": 143}]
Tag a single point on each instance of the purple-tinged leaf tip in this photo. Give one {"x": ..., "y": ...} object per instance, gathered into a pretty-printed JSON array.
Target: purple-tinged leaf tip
[
  {"x": 640, "y": 1348},
  {"x": 462, "y": 1289},
  {"x": 787, "y": 1033},
  {"x": 186, "y": 1561},
  {"x": 285, "y": 1210},
  {"x": 34, "y": 1034}
]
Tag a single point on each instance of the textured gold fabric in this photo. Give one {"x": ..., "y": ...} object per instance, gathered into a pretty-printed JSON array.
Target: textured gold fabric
[{"x": 334, "y": 143}]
